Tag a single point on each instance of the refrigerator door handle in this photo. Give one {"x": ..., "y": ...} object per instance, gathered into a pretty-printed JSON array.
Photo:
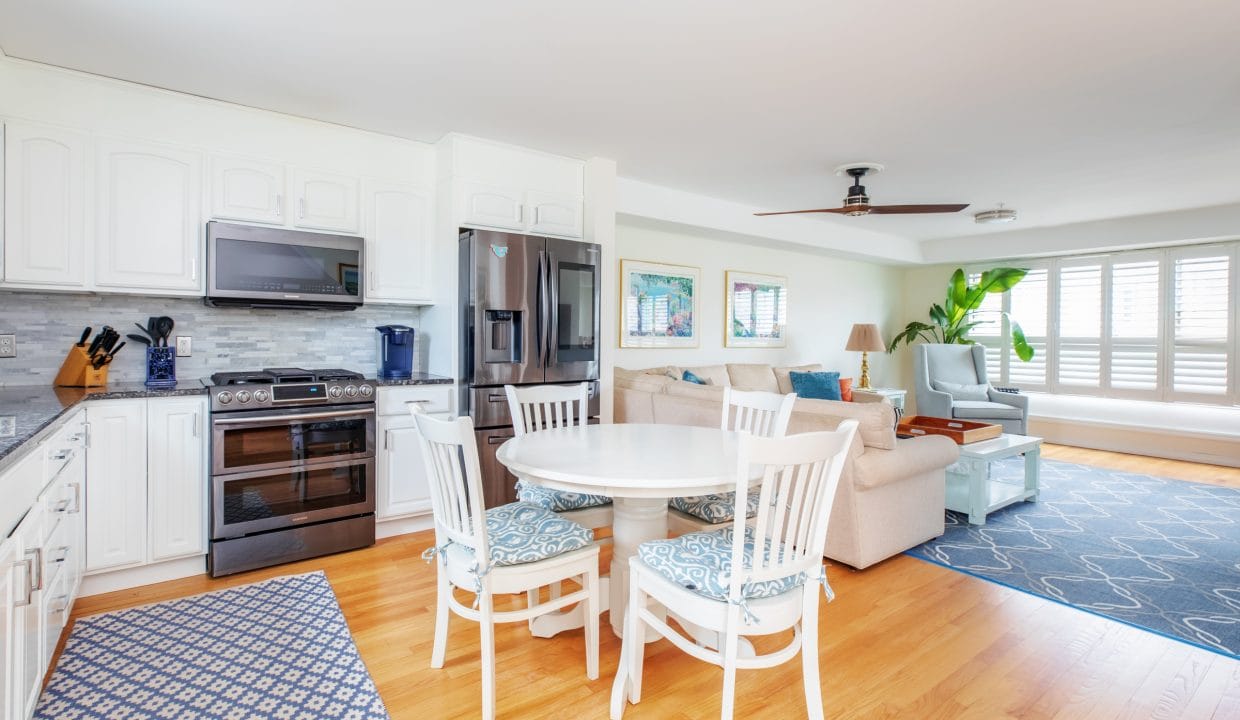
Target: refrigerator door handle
[
  {"x": 542, "y": 309},
  {"x": 554, "y": 323}
]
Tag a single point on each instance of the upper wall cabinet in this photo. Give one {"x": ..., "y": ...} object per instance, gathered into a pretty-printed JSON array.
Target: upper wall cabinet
[
  {"x": 553, "y": 213},
  {"x": 324, "y": 201},
  {"x": 44, "y": 201},
  {"x": 399, "y": 227},
  {"x": 490, "y": 206},
  {"x": 511, "y": 188},
  {"x": 148, "y": 217},
  {"x": 249, "y": 190}
]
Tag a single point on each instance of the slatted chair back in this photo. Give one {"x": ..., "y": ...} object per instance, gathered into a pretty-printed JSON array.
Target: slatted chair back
[
  {"x": 542, "y": 407},
  {"x": 758, "y": 413},
  {"x": 801, "y": 474},
  {"x": 450, "y": 452}
]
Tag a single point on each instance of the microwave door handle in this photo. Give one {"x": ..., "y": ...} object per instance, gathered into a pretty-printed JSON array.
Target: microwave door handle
[
  {"x": 542, "y": 308},
  {"x": 553, "y": 325}
]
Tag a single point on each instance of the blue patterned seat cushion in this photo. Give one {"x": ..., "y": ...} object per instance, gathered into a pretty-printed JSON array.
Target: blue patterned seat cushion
[
  {"x": 702, "y": 562},
  {"x": 520, "y": 533},
  {"x": 715, "y": 508},
  {"x": 557, "y": 500}
]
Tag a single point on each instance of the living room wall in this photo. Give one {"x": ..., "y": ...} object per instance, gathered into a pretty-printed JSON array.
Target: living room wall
[{"x": 826, "y": 295}]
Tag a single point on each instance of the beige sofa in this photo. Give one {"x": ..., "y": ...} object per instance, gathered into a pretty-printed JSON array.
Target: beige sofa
[{"x": 891, "y": 493}]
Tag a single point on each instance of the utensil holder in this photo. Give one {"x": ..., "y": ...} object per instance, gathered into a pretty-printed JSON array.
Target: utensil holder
[
  {"x": 76, "y": 370},
  {"x": 161, "y": 367}
]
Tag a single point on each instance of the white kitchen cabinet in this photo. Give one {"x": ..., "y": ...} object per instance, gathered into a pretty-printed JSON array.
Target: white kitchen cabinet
[
  {"x": 44, "y": 206},
  {"x": 148, "y": 208},
  {"x": 250, "y": 190},
  {"x": 324, "y": 201},
  {"x": 553, "y": 213},
  {"x": 491, "y": 206},
  {"x": 399, "y": 243},
  {"x": 505, "y": 187},
  {"x": 402, "y": 485},
  {"x": 176, "y": 476},
  {"x": 116, "y": 487},
  {"x": 12, "y": 588},
  {"x": 26, "y": 644}
]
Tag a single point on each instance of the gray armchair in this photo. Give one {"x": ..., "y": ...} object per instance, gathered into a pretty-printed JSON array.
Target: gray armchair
[{"x": 950, "y": 381}]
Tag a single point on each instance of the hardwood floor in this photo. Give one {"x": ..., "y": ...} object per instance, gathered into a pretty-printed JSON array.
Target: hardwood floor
[{"x": 903, "y": 639}]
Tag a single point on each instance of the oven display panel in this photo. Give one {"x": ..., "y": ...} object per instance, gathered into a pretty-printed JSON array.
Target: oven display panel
[{"x": 299, "y": 392}]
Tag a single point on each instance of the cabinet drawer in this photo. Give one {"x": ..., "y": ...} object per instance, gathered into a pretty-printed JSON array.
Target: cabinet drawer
[
  {"x": 59, "y": 552},
  {"x": 432, "y": 399},
  {"x": 54, "y": 606}
]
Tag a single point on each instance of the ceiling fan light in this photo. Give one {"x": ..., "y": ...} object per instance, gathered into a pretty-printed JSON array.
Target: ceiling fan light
[{"x": 991, "y": 217}]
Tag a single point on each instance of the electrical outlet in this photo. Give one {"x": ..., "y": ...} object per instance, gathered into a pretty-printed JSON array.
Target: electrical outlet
[
  {"x": 8, "y": 425},
  {"x": 185, "y": 345},
  {"x": 8, "y": 346}
]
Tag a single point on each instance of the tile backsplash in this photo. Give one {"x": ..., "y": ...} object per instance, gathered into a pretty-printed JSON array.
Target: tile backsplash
[{"x": 46, "y": 324}]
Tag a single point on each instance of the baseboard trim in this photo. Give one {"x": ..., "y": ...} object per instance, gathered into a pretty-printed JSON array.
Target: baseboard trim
[
  {"x": 109, "y": 581},
  {"x": 403, "y": 525},
  {"x": 1155, "y": 442}
]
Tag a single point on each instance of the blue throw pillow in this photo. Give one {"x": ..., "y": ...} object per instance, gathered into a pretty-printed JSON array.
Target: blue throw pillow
[
  {"x": 816, "y": 385},
  {"x": 690, "y": 377}
]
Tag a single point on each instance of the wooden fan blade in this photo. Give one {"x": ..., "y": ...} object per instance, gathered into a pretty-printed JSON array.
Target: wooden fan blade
[
  {"x": 914, "y": 209},
  {"x": 798, "y": 212}
]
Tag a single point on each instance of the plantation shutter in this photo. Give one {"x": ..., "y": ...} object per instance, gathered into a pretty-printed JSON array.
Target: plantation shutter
[
  {"x": 1201, "y": 322},
  {"x": 1028, "y": 306},
  {"x": 1079, "y": 355},
  {"x": 1135, "y": 323}
]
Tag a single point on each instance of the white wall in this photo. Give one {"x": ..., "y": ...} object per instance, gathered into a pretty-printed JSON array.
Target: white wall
[{"x": 826, "y": 295}]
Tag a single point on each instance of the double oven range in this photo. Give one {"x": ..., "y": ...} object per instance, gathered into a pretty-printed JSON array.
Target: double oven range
[{"x": 292, "y": 466}]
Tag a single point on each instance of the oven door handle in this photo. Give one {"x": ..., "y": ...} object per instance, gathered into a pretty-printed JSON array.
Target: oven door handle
[{"x": 289, "y": 418}]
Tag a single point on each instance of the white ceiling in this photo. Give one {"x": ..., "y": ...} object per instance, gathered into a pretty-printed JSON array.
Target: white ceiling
[{"x": 1066, "y": 110}]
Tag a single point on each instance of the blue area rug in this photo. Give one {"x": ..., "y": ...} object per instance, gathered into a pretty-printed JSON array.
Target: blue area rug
[
  {"x": 1163, "y": 555},
  {"x": 275, "y": 649}
]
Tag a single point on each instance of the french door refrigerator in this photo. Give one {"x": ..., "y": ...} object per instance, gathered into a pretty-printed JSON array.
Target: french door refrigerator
[{"x": 530, "y": 316}]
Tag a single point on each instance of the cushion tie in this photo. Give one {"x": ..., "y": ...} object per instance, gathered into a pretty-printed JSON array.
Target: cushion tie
[
  {"x": 826, "y": 586},
  {"x": 429, "y": 553},
  {"x": 743, "y": 603},
  {"x": 473, "y": 569}
]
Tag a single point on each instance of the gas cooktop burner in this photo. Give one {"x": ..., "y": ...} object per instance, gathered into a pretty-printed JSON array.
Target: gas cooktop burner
[
  {"x": 336, "y": 374},
  {"x": 242, "y": 378},
  {"x": 290, "y": 375},
  {"x": 280, "y": 376}
]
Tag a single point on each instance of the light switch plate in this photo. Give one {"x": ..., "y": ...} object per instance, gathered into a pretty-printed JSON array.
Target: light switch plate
[
  {"x": 185, "y": 345},
  {"x": 8, "y": 346},
  {"x": 8, "y": 425}
]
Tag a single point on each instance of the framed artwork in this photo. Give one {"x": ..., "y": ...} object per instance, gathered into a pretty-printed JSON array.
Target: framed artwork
[
  {"x": 347, "y": 275},
  {"x": 756, "y": 309},
  {"x": 659, "y": 305}
]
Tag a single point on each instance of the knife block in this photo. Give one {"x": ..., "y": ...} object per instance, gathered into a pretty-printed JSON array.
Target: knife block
[{"x": 77, "y": 372}]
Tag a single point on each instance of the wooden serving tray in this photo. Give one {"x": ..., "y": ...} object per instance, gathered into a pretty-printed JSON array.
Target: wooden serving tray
[{"x": 962, "y": 431}]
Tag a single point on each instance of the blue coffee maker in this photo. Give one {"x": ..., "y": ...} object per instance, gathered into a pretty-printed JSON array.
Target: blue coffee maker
[{"x": 395, "y": 352}]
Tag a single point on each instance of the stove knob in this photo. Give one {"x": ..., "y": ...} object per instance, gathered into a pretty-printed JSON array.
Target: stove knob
[
  {"x": 261, "y": 396},
  {"x": 367, "y": 391},
  {"x": 224, "y": 398},
  {"x": 351, "y": 391},
  {"x": 243, "y": 396},
  {"x": 335, "y": 391}
]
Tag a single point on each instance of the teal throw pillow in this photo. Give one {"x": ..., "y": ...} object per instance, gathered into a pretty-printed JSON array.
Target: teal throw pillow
[
  {"x": 816, "y": 385},
  {"x": 690, "y": 377}
]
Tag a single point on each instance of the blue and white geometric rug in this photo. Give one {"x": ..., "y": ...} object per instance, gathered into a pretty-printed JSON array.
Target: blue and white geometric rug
[
  {"x": 1160, "y": 554},
  {"x": 275, "y": 649}
]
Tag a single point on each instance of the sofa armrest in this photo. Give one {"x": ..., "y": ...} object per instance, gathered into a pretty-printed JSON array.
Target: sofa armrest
[
  {"x": 868, "y": 396},
  {"x": 1016, "y": 400},
  {"x": 912, "y": 457}
]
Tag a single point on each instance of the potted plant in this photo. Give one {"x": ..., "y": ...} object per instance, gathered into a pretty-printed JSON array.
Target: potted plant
[{"x": 952, "y": 321}]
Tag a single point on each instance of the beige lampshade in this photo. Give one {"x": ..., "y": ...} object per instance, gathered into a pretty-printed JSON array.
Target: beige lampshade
[{"x": 865, "y": 338}]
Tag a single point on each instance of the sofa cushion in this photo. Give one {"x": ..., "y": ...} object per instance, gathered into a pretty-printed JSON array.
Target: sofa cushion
[
  {"x": 784, "y": 382},
  {"x": 521, "y": 533},
  {"x": 846, "y": 389},
  {"x": 715, "y": 509},
  {"x": 984, "y": 410},
  {"x": 641, "y": 380},
  {"x": 680, "y": 388},
  {"x": 958, "y": 391},
  {"x": 702, "y": 562},
  {"x": 753, "y": 376},
  {"x": 689, "y": 377},
  {"x": 877, "y": 420},
  {"x": 816, "y": 385},
  {"x": 712, "y": 374}
]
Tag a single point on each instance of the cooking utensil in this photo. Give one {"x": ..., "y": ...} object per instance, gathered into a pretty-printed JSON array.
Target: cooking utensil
[
  {"x": 143, "y": 329},
  {"x": 139, "y": 338},
  {"x": 85, "y": 335}
]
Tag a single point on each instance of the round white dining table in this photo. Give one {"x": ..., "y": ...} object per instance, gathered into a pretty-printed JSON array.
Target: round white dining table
[{"x": 639, "y": 466}]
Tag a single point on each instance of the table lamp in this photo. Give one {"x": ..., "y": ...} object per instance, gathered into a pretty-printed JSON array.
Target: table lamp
[{"x": 865, "y": 339}]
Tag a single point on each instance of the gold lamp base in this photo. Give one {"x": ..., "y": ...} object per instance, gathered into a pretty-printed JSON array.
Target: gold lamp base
[{"x": 864, "y": 383}]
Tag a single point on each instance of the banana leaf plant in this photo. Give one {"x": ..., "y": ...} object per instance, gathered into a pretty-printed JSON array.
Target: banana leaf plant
[{"x": 952, "y": 321}]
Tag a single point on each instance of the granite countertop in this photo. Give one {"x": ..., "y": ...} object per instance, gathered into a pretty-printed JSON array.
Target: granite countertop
[{"x": 419, "y": 378}]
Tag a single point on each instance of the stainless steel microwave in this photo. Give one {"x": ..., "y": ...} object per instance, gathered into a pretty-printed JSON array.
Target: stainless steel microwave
[{"x": 251, "y": 266}]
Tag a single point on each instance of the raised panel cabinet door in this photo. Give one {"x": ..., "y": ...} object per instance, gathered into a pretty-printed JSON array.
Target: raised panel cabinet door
[
  {"x": 399, "y": 227},
  {"x": 116, "y": 518},
  {"x": 44, "y": 206},
  {"x": 12, "y": 589},
  {"x": 324, "y": 201},
  {"x": 403, "y": 488},
  {"x": 28, "y": 658},
  {"x": 554, "y": 214},
  {"x": 249, "y": 190},
  {"x": 148, "y": 217},
  {"x": 177, "y": 477},
  {"x": 491, "y": 206}
]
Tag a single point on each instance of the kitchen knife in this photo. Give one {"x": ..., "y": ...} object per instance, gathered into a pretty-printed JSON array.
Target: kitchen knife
[
  {"x": 85, "y": 335},
  {"x": 109, "y": 340},
  {"x": 94, "y": 345},
  {"x": 107, "y": 359},
  {"x": 139, "y": 338}
]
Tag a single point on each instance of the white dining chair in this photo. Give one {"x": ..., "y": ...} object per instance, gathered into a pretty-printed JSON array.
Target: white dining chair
[
  {"x": 744, "y": 580},
  {"x": 542, "y": 407},
  {"x": 758, "y": 413},
  {"x": 509, "y": 549}
]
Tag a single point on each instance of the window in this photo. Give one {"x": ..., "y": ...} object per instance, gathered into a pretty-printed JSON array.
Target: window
[{"x": 1152, "y": 324}]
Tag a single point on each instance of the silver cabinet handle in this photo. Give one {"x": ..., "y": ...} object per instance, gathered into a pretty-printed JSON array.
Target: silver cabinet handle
[
  {"x": 498, "y": 439},
  {"x": 418, "y": 402},
  {"x": 63, "y": 455},
  {"x": 301, "y": 208},
  {"x": 279, "y": 204},
  {"x": 197, "y": 431},
  {"x": 86, "y": 431},
  {"x": 29, "y": 586},
  {"x": 37, "y": 564},
  {"x": 77, "y": 497},
  {"x": 193, "y": 269}
]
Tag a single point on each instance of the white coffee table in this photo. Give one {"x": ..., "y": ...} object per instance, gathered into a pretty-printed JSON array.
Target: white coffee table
[{"x": 969, "y": 487}]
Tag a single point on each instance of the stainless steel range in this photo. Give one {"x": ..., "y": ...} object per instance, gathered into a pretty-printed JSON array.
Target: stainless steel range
[{"x": 292, "y": 466}]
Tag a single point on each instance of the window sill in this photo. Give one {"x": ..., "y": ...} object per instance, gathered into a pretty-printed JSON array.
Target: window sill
[{"x": 1217, "y": 421}]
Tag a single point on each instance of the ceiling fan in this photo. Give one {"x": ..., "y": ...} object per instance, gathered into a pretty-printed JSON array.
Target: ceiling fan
[{"x": 858, "y": 203}]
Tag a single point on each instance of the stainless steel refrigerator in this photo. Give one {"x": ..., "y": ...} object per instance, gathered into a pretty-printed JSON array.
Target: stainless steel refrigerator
[{"x": 529, "y": 316}]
